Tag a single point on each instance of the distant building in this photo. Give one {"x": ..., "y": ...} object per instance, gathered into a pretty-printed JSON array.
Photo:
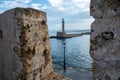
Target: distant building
[{"x": 63, "y": 33}]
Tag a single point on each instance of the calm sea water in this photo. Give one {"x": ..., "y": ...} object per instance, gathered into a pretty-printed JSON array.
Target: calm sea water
[{"x": 77, "y": 52}]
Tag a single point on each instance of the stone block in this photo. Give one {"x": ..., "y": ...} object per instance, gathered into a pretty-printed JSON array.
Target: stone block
[{"x": 24, "y": 46}]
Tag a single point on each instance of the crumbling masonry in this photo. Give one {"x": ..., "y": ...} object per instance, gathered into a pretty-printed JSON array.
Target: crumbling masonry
[
  {"x": 105, "y": 39},
  {"x": 24, "y": 46}
]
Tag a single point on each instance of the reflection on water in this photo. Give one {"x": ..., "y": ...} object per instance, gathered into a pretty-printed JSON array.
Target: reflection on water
[{"x": 77, "y": 52}]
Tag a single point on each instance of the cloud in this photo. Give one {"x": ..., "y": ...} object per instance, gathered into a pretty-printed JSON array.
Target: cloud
[
  {"x": 36, "y": 6},
  {"x": 44, "y": 7},
  {"x": 16, "y": 3},
  {"x": 80, "y": 24},
  {"x": 70, "y": 5},
  {"x": 56, "y": 3},
  {"x": 27, "y": 1},
  {"x": 82, "y": 4},
  {"x": 40, "y": 6},
  {"x": 62, "y": 8},
  {"x": 24, "y": 1}
]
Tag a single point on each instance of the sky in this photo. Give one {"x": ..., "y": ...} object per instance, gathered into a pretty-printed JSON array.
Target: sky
[{"x": 75, "y": 12}]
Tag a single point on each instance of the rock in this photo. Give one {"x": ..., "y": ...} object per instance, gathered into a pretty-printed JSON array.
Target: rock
[
  {"x": 24, "y": 46},
  {"x": 105, "y": 39}
]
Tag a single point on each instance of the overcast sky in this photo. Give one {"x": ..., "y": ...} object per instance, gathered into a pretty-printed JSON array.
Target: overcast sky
[{"x": 75, "y": 12}]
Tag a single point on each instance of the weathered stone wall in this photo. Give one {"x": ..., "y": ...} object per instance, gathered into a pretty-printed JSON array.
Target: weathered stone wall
[
  {"x": 105, "y": 39},
  {"x": 24, "y": 46}
]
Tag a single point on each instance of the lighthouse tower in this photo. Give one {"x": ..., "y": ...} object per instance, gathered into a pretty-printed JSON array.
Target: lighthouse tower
[
  {"x": 63, "y": 30},
  {"x": 63, "y": 33}
]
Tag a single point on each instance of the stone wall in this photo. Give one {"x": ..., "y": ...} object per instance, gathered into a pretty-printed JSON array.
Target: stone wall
[
  {"x": 24, "y": 46},
  {"x": 105, "y": 39}
]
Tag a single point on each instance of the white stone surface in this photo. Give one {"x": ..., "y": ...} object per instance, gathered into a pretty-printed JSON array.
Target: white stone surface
[{"x": 105, "y": 39}]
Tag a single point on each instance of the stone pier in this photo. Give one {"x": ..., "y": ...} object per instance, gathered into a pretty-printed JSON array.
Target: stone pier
[
  {"x": 24, "y": 46},
  {"x": 105, "y": 39}
]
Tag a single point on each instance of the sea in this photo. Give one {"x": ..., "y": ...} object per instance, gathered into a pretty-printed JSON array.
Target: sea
[{"x": 76, "y": 51}]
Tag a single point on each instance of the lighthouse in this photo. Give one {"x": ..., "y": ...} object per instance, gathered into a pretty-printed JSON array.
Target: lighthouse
[
  {"x": 63, "y": 26},
  {"x": 62, "y": 34}
]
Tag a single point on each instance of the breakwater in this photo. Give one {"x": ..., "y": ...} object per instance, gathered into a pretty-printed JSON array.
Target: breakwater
[{"x": 71, "y": 35}]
